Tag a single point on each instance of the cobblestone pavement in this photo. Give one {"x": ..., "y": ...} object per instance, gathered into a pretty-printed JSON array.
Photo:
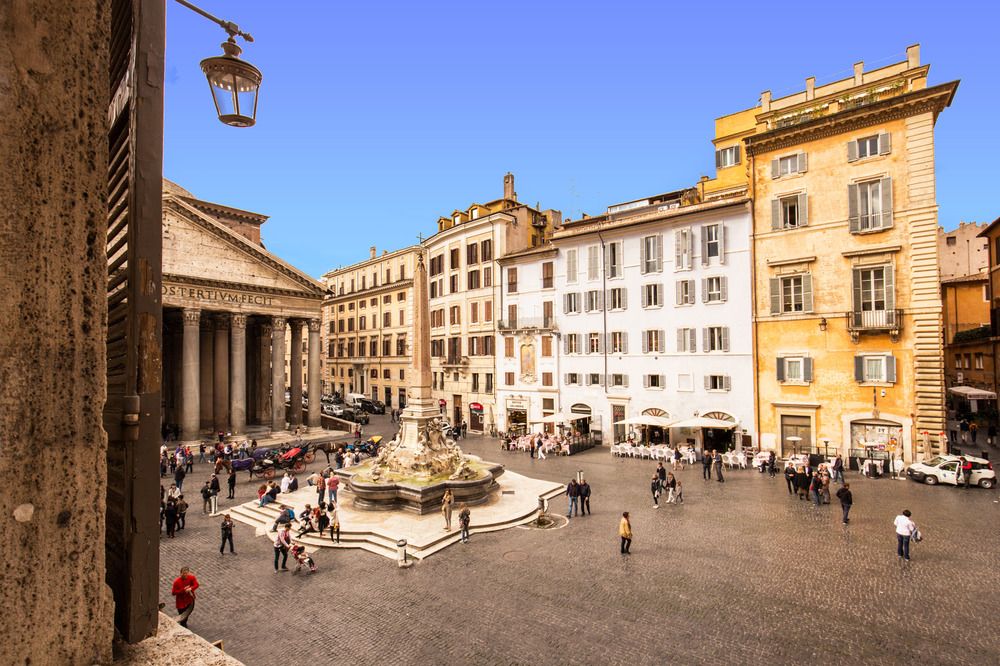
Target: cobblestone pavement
[{"x": 741, "y": 572}]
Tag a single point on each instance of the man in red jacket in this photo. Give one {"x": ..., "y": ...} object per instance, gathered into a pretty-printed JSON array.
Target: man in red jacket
[{"x": 183, "y": 590}]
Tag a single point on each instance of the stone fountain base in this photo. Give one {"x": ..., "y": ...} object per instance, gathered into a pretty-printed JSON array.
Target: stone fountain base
[{"x": 420, "y": 496}]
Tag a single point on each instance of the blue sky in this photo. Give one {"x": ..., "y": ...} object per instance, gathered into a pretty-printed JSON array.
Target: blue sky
[{"x": 377, "y": 116}]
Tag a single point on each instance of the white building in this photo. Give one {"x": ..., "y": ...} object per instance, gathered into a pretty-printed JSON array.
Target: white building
[{"x": 654, "y": 316}]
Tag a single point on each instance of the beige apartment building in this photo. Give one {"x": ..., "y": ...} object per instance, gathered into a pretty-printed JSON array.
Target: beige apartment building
[
  {"x": 466, "y": 301},
  {"x": 368, "y": 326}
]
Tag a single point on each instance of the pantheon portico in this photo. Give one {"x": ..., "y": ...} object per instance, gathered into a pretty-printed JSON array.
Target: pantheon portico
[{"x": 231, "y": 310}]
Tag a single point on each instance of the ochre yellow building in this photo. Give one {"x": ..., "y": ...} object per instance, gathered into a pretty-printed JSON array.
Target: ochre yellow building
[{"x": 847, "y": 307}]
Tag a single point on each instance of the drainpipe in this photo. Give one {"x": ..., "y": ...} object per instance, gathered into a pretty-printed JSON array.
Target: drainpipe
[{"x": 753, "y": 305}]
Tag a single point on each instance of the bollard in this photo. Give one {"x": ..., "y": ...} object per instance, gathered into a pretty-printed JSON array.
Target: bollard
[{"x": 401, "y": 558}]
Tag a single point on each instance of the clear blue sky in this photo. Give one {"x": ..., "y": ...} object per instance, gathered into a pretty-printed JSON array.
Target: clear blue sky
[{"x": 376, "y": 117}]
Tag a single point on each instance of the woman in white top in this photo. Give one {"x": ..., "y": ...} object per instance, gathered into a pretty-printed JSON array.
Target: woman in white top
[
  {"x": 334, "y": 514},
  {"x": 904, "y": 532},
  {"x": 285, "y": 480}
]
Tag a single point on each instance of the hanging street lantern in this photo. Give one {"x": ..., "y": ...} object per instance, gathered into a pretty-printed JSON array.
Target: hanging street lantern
[{"x": 234, "y": 84}]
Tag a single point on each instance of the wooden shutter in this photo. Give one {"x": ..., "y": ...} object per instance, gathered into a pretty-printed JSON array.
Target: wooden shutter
[
  {"x": 807, "y": 369},
  {"x": 624, "y": 342},
  {"x": 681, "y": 339},
  {"x": 726, "y": 383},
  {"x": 884, "y": 143},
  {"x": 692, "y": 340},
  {"x": 624, "y": 298},
  {"x": 852, "y": 151},
  {"x": 625, "y": 381},
  {"x": 854, "y": 222},
  {"x": 725, "y": 338},
  {"x": 704, "y": 290},
  {"x": 718, "y": 159},
  {"x": 775, "y": 168},
  {"x": 857, "y": 292},
  {"x": 705, "y": 340},
  {"x": 704, "y": 245},
  {"x": 645, "y": 342},
  {"x": 708, "y": 382},
  {"x": 608, "y": 270},
  {"x": 722, "y": 243},
  {"x": 890, "y": 368},
  {"x": 803, "y": 205},
  {"x": 677, "y": 288},
  {"x": 659, "y": 253},
  {"x": 801, "y": 163},
  {"x": 779, "y": 365},
  {"x": 775, "y": 214},
  {"x": 599, "y": 302},
  {"x": 645, "y": 381},
  {"x": 890, "y": 289},
  {"x": 660, "y": 340},
  {"x": 775, "y": 284},
  {"x": 724, "y": 284},
  {"x": 886, "y": 191},
  {"x": 807, "y": 292},
  {"x": 642, "y": 256},
  {"x": 738, "y": 153},
  {"x": 677, "y": 250},
  {"x": 859, "y": 368}
]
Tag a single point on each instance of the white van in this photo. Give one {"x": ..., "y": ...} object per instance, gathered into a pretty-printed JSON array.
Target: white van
[{"x": 354, "y": 399}]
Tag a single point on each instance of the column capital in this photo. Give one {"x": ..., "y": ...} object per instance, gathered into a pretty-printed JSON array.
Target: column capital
[
  {"x": 279, "y": 322},
  {"x": 314, "y": 325},
  {"x": 238, "y": 321},
  {"x": 296, "y": 324},
  {"x": 192, "y": 316},
  {"x": 266, "y": 328},
  {"x": 221, "y": 321}
]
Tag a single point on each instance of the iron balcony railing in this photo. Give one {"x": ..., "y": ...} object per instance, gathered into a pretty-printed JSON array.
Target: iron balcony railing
[
  {"x": 527, "y": 322},
  {"x": 874, "y": 320}
]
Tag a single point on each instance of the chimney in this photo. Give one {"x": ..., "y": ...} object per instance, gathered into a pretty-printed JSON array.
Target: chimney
[
  {"x": 508, "y": 187},
  {"x": 811, "y": 88},
  {"x": 371, "y": 251},
  {"x": 765, "y": 101},
  {"x": 913, "y": 56},
  {"x": 859, "y": 73}
]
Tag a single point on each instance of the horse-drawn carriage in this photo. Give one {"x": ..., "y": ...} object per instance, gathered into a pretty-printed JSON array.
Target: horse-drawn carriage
[{"x": 264, "y": 462}]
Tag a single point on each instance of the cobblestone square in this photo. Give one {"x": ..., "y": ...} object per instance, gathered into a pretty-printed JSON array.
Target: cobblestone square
[{"x": 741, "y": 573}]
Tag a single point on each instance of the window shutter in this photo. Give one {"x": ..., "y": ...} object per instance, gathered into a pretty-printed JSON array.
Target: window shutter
[
  {"x": 705, "y": 336},
  {"x": 659, "y": 253},
  {"x": 600, "y": 301},
  {"x": 718, "y": 159},
  {"x": 601, "y": 379},
  {"x": 677, "y": 289},
  {"x": 600, "y": 344},
  {"x": 722, "y": 243},
  {"x": 884, "y": 143},
  {"x": 725, "y": 382},
  {"x": 775, "y": 214},
  {"x": 852, "y": 151},
  {"x": 608, "y": 271},
  {"x": 565, "y": 303},
  {"x": 779, "y": 366},
  {"x": 724, "y": 282},
  {"x": 857, "y": 291},
  {"x": 690, "y": 249},
  {"x": 807, "y": 369},
  {"x": 775, "y": 295},
  {"x": 708, "y": 382},
  {"x": 704, "y": 246},
  {"x": 775, "y": 169},
  {"x": 725, "y": 338},
  {"x": 852, "y": 207},
  {"x": 625, "y": 381},
  {"x": 886, "y": 189},
  {"x": 890, "y": 368},
  {"x": 624, "y": 293},
  {"x": 645, "y": 295},
  {"x": 859, "y": 368},
  {"x": 625, "y": 342},
  {"x": 807, "y": 292},
  {"x": 801, "y": 163},
  {"x": 681, "y": 339},
  {"x": 645, "y": 342},
  {"x": 645, "y": 381},
  {"x": 660, "y": 338},
  {"x": 738, "y": 150},
  {"x": 890, "y": 289},
  {"x": 677, "y": 250},
  {"x": 704, "y": 290},
  {"x": 803, "y": 210},
  {"x": 566, "y": 345},
  {"x": 642, "y": 256},
  {"x": 693, "y": 340}
]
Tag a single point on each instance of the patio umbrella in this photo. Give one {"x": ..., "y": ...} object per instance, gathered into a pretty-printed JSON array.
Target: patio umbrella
[
  {"x": 558, "y": 417},
  {"x": 703, "y": 422}
]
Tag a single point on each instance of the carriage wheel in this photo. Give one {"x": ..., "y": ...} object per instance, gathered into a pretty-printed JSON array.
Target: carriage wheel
[
  {"x": 269, "y": 473},
  {"x": 309, "y": 457},
  {"x": 299, "y": 467}
]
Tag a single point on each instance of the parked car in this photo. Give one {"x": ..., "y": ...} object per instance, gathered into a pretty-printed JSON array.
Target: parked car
[
  {"x": 356, "y": 415},
  {"x": 944, "y": 469},
  {"x": 333, "y": 410},
  {"x": 372, "y": 406}
]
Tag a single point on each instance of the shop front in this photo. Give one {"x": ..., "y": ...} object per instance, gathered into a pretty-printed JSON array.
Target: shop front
[
  {"x": 476, "y": 416},
  {"x": 517, "y": 416}
]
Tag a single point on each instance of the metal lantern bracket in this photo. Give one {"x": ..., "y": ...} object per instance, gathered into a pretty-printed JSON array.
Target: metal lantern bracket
[{"x": 231, "y": 28}]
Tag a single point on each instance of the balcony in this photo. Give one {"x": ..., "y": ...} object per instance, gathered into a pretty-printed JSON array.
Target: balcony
[
  {"x": 454, "y": 360},
  {"x": 874, "y": 321},
  {"x": 522, "y": 323}
]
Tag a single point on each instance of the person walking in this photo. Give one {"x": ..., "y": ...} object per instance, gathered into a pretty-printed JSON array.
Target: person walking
[
  {"x": 214, "y": 498},
  {"x": 465, "y": 429},
  {"x": 332, "y": 484},
  {"x": 824, "y": 478},
  {"x": 464, "y": 518},
  {"x": 963, "y": 427},
  {"x": 815, "y": 488},
  {"x": 227, "y": 535},
  {"x": 655, "y": 487},
  {"x": 282, "y": 543},
  {"x": 670, "y": 483},
  {"x": 201, "y": 452},
  {"x": 182, "y": 508},
  {"x": 772, "y": 464},
  {"x": 802, "y": 480},
  {"x": 625, "y": 532},
  {"x": 838, "y": 469},
  {"x": 179, "y": 478},
  {"x": 790, "y": 479},
  {"x": 973, "y": 431},
  {"x": 846, "y": 501},
  {"x": 447, "y": 504},
  {"x": 717, "y": 461},
  {"x": 905, "y": 529},
  {"x": 661, "y": 472},
  {"x": 706, "y": 465},
  {"x": 183, "y": 589},
  {"x": 170, "y": 517},
  {"x": 231, "y": 483},
  {"x": 188, "y": 459},
  {"x": 573, "y": 493},
  {"x": 334, "y": 521},
  {"x": 584, "y": 497}
]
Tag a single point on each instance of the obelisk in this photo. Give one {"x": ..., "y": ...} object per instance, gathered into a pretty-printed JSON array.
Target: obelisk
[{"x": 419, "y": 403}]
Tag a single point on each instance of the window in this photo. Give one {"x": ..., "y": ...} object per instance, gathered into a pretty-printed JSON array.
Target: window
[
  {"x": 716, "y": 382},
  {"x": 958, "y": 361},
  {"x": 685, "y": 292},
  {"x": 486, "y": 250},
  {"x": 870, "y": 205},
  {"x": 350, "y": 324},
  {"x": 386, "y": 347},
  {"x": 618, "y": 381},
  {"x": 473, "y": 313},
  {"x": 454, "y": 262},
  {"x": 437, "y": 318},
  {"x": 712, "y": 243},
  {"x": 472, "y": 254},
  {"x": 453, "y": 284},
  {"x": 487, "y": 311},
  {"x": 386, "y": 319},
  {"x": 437, "y": 348},
  {"x": 548, "y": 318},
  {"x": 472, "y": 279},
  {"x": 593, "y": 262},
  {"x": 489, "y": 382},
  {"x": 593, "y": 343},
  {"x": 788, "y": 165},
  {"x": 593, "y": 301},
  {"x": 486, "y": 347},
  {"x": 572, "y": 378},
  {"x": 979, "y": 361},
  {"x": 434, "y": 289},
  {"x": 387, "y": 299},
  {"x": 615, "y": 259},
  {"x": 789, "y": 212},
  {"x": 727, "y": 157},
  {"x": 512, "y": 315},
  {"x": 437, "y": 265},
  {"x": 546, "y": 379},
  {"x": 654, "y": 381},
  {"x": 875, "y": 368},
  {"x": 595, "y": 379},
  {"x": 488, "y": 276},
  {"x": 571, "y": 303},
  {"x": 968, "y": 361},
  {"x": 713, "y": 289},
  {"x": 386, "y": 374},
  {"x": 874, "y": 297},
  {"x": 455, "y": 315},
  {"x": 618, "y": 342},
  {"x": 511, "y": 280},
  {"x": 571, "y": 267},
  {"x": 572, "y": 343},
  {"x": 651, "y": 251},
  {"x": 547, "y": 275},
  {"x": 794, "y": 369},
  {"x": 687, "y": 340},
  {"x": 473, "y": 345},
  {"x": 652, "y": 342},
  {"x": 716, "y": 339},
  {"x": 791, "y": 294},
  {"x": 616, "y": 298},
  {"x": 869, "y": 146},
  {"x": 683, "y": 249},
  {"x": 475, "y": 375},
  {"x": 652, "y": 295},
  {"x": 546, "y": 345},
  {"x": 508, "y": 378},
  {"x": 401, "y": 345}
]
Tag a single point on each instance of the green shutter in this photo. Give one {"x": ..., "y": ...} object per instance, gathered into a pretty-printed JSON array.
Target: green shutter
[
  {"x": 807, "y": 369},
  {"x": 859, "y": 368},
  {"x": 775, "y": 214},
  {"x": 807, "y": 293},
  {"x": 779, "y": 365},
  {"x": 886, "y": 189}
]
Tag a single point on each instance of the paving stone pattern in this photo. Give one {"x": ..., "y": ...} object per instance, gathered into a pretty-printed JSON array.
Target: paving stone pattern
[{"x": 740, "y": 573}]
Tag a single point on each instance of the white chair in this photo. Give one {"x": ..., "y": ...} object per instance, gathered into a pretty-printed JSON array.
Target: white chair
[
  {"x": 626, "y": 450},
  {"x": 616, "y": 450}
]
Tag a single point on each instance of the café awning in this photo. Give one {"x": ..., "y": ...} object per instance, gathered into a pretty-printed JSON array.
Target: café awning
[
  {"x": 646, "y": 419},
  {"x": 558, "y": 417},
  {"x": 972, "y": 393},
  {"x": 703, "y": 422}
]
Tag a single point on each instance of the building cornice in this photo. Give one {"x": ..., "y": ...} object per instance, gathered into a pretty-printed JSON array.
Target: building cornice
[
  {"x": 869, "y": 251},
  {"x": 788, "y": 262},
  {"x": 336, "y": 272},
  {"x": 236, "y": 286},
  {"x": 366, "y": 293},
  {"x": 669, "y": 215}
]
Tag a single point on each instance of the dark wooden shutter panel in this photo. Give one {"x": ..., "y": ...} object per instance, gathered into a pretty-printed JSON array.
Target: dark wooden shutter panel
[
  {"x": 859, "y": 368},
  {"x": 779, "y": 365},
  {"x": 775, "y": 285},
  {"x": 854, "y": 222},
  {"x": 890, "y": 369},
  {"x": 886, "y": 190},
  {"x": 803, "y": 211},
  {"x": 807, "y": 369},
  {"x": 775, "y": 214},
  {"x": 852, "y": 151}
]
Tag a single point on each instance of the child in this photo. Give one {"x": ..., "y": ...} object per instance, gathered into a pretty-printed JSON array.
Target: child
[{"x": 301, "y": 559}]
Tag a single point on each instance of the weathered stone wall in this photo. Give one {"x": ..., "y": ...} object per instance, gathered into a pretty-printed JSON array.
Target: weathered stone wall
[{"x": 53, "y": 106}]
